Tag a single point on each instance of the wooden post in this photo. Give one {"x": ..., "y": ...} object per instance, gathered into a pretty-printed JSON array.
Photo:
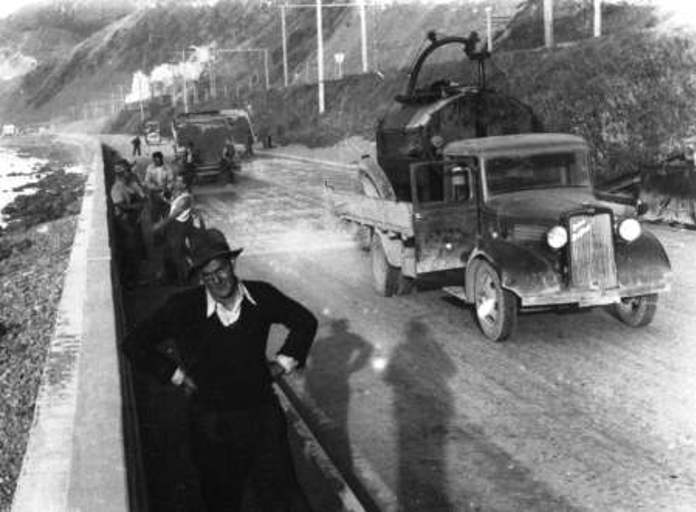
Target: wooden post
[{"x": 548, "y": 23}]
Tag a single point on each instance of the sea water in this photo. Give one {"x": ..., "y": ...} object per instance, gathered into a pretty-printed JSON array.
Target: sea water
[{"x": 16, "y": 169}]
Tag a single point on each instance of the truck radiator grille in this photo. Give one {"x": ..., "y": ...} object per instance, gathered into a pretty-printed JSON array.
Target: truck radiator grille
[{"x": 592, "y": 264}]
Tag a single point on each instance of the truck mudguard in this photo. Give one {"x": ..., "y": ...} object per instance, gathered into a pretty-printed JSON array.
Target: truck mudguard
[
  {"x": 373, "y": 180},
  {"x": 522, "y": 270},
  {"x": 393, "y": 248},
  {"x": 641, "y": 261}
]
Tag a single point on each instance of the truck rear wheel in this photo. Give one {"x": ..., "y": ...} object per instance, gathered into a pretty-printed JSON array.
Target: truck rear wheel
[
  {"x": 636, "y": 311},
  {"x": 386, "y": 276},
  {"x": 494, "y": 307}
]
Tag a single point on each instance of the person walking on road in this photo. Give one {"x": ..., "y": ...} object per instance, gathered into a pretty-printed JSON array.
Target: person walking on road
[
  {"x": 136, "y": 145},
  {"x": 238, "y": 429}
]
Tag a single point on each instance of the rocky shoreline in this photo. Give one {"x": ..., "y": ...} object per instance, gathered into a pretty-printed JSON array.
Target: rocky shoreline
[{"x": 34, "y": 253}]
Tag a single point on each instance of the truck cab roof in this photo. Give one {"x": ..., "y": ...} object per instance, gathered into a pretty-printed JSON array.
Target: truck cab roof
[{"x": 524, "y": 143}]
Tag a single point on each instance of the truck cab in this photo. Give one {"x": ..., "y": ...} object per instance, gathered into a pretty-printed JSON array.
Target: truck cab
[{"x": 515, "y": 222}]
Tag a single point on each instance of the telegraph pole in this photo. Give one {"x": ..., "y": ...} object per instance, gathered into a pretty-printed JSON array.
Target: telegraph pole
[
  {"x": 265, "y": 67},
  {"x": 183, "y": 76},
  {"x": 320, "y": 43},
  {"x": 548, "y": 23},
  {"x": 283, "y": 30},
  {"x": 363, "y": 36},
  {"x": 597, "y": 18},
  {"x": 213, "y": 85},
  {"x": 253, "y": 50},
  {"x": 489, "y": 29},
  {"x": 320, "y": 59}
]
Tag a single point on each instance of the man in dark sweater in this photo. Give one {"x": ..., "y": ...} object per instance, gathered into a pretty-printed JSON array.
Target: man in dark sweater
[{"x": 220, "y": 330}]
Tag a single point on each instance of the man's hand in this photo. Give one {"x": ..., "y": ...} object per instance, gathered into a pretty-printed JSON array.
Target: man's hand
[
  {"x": 179, "y": 378},
  {"x": 287, "y": 363}
]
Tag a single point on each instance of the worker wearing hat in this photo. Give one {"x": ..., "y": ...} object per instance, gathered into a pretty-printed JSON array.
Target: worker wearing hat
[{"x": 220, "y": 329}]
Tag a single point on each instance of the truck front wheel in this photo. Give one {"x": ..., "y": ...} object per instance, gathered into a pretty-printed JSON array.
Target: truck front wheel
[
  {"x": 386, "y": 276},
  {"x": 636, "y": 311},
  {"x": 495, "y": 307}
]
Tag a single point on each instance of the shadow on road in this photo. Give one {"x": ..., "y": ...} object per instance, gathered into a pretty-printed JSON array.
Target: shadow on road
[
  {"x": 333, "y": 359},
  {"x": 418, "y": 373}
]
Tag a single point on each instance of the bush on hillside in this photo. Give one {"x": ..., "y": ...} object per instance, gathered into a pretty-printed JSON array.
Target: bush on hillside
[{"x": 632, "y": 96}]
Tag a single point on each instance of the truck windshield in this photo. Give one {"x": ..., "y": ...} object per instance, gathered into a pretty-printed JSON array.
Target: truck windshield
[{"x": 548, "y": 170}]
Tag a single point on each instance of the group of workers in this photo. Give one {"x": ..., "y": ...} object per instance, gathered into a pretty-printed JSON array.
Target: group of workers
[
  {"x": 158, "y": 207},
  {"x": 220, "y": 326}
]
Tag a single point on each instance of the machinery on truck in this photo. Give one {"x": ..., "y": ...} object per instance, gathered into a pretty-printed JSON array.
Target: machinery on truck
[
  {"x": 506, "y": 211},
  {"x": 217, "y": 139}
]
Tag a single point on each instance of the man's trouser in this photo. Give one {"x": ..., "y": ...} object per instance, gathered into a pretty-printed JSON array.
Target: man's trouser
[{"x": 246, "y": 451}]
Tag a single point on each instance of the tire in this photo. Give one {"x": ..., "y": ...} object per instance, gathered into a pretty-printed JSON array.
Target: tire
[
  {"x": 406, "y": 285},
  {"x": 363, "y": 235},
  {"x": 385, "y": 276},
  {"x": 636, "y": 311},
  {"x": 226, "y": 176},
  {"x": 495, "y": 308}
]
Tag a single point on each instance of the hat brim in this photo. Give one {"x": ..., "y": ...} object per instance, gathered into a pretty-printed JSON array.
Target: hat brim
[{"x": 195, "y": 267}]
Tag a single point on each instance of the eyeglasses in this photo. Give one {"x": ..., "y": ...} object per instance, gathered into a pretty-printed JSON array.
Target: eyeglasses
[{"x": 219, "y": 274}]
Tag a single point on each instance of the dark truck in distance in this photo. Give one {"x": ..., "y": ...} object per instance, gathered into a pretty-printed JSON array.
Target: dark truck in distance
[
  {"x": 515, "y": 217},
  {"x": 218, "y": 138}
]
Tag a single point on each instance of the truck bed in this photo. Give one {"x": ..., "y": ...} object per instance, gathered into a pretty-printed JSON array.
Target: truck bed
[{"x": 387, "y": 215}]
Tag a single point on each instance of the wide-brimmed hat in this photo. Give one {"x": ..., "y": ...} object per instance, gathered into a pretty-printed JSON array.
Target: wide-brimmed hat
[{"x": 208, "y": 244}]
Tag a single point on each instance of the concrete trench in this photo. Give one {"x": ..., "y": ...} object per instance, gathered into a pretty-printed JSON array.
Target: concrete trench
[{"x": 88, "y": 445}]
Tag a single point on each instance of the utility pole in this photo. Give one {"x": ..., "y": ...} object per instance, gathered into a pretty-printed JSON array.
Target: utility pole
[
  {"x": 253, "y": 50},
  {"x": 548, "y": 23},
  {"x": 489, "y": 29},
  {"x": 597, "y": 18},
  {"x": 320, "y": 59},
  {"x": 320, "y": 45},
  {"x": 363, "y": 36},
  {"x": 183, "y": 76},
  {"x": 140, "y": 101},
  {"x": 211, "y": 63},
  {"x": 265, "y": 67},
  {"x": 283, "y": 31}
]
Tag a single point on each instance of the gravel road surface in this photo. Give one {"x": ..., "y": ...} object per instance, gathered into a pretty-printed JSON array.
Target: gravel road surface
[{"x": 576, "y": 412}]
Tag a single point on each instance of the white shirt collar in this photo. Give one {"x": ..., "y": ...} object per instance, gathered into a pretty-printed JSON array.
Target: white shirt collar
[{"x": 228, "y": 316}]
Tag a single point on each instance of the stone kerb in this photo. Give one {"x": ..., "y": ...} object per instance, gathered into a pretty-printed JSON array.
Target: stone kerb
[{"x": 75, "y": 455}]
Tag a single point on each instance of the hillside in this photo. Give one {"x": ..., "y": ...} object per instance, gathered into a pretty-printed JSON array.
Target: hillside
[{"x": 629, "y": 92}]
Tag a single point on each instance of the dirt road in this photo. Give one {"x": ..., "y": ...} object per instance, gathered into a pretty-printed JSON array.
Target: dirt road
[{"x": 577, "y": 412}]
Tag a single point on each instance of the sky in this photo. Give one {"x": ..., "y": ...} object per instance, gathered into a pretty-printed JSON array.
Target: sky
[{"x": 8, "y": 7}]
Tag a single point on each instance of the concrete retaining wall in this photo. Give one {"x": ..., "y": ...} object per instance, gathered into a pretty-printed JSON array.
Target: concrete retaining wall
[{"x": 75, "y": 458}]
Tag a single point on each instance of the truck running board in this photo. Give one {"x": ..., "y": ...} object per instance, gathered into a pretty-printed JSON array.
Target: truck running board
[{"x": 456, "y": 291}]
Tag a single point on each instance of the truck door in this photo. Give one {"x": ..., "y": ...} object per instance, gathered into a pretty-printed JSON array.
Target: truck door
[{"x": 445, "y": 213}]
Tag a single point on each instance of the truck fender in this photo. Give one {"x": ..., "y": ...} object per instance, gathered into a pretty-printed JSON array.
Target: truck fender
[
  {"x": 522, "y": 270},
  {"x": 393, "y": 247},
  {"x": 642, "y": 261},
  {"x": 373, "y": 180}
]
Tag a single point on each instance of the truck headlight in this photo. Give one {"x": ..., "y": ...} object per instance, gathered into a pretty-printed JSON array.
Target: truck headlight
[
  {"x": 557, "y": 237},
  {"x": 629, "y": 229}
]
